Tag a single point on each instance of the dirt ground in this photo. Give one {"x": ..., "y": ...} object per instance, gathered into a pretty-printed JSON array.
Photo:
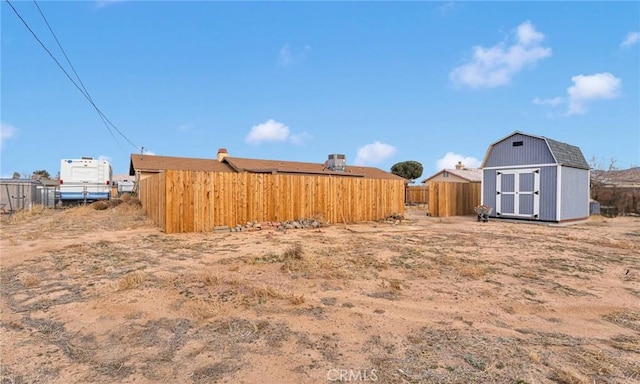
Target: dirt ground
[{"x": 103, "y": 296}]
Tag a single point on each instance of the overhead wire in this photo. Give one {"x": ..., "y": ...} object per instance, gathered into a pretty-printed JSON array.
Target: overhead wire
[
  {"x": 82, "y": 90},
  {"x": 86, "y": 92}
]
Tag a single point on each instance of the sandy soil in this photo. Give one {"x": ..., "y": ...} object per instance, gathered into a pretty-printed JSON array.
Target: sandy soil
[{"x": 104, "y": 296}]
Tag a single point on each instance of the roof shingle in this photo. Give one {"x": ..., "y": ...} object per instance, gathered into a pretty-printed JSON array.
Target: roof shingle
[
  {"x": 567, "y": 154},
  {"x": 153, "y": 163}
]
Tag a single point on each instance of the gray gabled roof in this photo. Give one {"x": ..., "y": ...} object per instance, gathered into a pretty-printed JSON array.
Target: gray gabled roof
[
  {"x": 563, "y": 153},
  {"x": 566, "y": 154}
]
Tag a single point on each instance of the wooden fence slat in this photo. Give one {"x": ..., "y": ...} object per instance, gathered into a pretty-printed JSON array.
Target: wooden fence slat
[
  {"x": 187, "y": 201},
  {"x": 453, "y": 199},
  {"x": 417, "y": 194}
]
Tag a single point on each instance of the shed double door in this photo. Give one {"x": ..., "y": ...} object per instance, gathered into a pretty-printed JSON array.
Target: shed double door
[{"x": 518, "y": 193}]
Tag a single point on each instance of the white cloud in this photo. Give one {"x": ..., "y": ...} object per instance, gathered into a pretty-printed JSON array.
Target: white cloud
[
  {"x": 147, "y": 152},
  {"x": 105, "y": 158},
  {"x": 447, "y": 7},
  {"x": 286, "y": 57},
  {"x": 600, "y": 86},
  {"x": 104, "y": 3},
  {"x": 631, "y": 39},
  {"x": 586, "y": 88},
  {"x": 450, "y": 160},
  {"x": 270, "y": 130},
  {"x": 7, "y": 131},
  {"x": 274, "y": 131},
  {"x": 554, "y": 102},
  {"x": 495, "y": 66},
  {"x": 300, "y": 138},
  {"x": 374, "y": 153}
]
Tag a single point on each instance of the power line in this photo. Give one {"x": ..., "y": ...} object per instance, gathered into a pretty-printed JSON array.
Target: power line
[
  {"x": 62, "y": 49},
  {"x": 82, "y": 90},
  {"x": 102, "y": 116},
  {"x": 86, "y": 92}
]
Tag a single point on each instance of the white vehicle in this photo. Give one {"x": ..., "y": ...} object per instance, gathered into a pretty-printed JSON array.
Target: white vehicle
[{"x": 85, "y": 179}]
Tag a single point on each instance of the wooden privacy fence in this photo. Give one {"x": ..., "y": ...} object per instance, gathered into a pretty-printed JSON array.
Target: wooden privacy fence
[
  {"x": 417, "y": 194},
  {"x": 453, "y": 199},
  {"x": 194, "y": 201}
]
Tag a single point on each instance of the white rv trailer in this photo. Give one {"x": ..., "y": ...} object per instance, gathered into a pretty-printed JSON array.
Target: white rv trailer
[{"x": 85, "y": 179}]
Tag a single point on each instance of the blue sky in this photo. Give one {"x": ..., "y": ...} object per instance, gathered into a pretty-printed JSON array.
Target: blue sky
[{"x": 381, "y": 82}]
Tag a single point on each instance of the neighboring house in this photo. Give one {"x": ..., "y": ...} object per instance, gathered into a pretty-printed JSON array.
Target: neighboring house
[
  {"x": 535, "y": 178},
  {"x": 142, "y": 166},
  {"x": 458, "y": 175},
  {"x": 199, "y": 195},
  {"x": 453, "y": 192}
]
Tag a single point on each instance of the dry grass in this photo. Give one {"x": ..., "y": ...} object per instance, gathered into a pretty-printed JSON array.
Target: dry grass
[
  {"x": 535, "y": 357},
  {"x": 78, "y": 211},
  {"x": 528, "y": 274},
  {"x": 29, "y": 214},
  {"x": 200, "y": 309},
  {"x": 262, "y": 294},
  {"x": 568, "y": 375},
  {"x": 296, "y": 299},
  {"x": 130, "y": 281},
  {"x": 209, "y": 279},
  {"x": 293, "y": 252},
  {"x": 396, "y": 285},
  {"x": 626, "y": 318},
  {"x": 11, "y": 239},
  {"x": 626, "y": 343},
  {"x": 472, "y": 271},
  {"x": 28, "y": 280},
  {"x": 597, "y": 361}
]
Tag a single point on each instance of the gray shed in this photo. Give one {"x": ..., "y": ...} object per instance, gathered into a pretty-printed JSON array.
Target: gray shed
[
  {"x": 22, "y": 194},
  {"x": 535, "y": 178}
]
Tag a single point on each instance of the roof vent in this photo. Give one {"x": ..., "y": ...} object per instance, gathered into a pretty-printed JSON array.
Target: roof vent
[
  {"x": 459, "y": 166},
  {"x": 336, "y": 163}
]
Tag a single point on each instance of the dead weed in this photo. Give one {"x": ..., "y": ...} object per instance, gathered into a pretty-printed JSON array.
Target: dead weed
[{"x": 130, "y": 281}]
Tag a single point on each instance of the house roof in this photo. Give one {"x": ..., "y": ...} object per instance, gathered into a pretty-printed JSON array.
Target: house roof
[
  {"x": 153, "y": 163},
  {"x": 470, "y": 174},
  {"x": 294, "y": 167},
  {"x": 563, "y": 153},
  {"x": 237, "y": 164},
  {"x": 121, "y": 177}
]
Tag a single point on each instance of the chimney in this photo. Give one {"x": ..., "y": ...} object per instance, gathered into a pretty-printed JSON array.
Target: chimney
[
  {"x": 459, "y": 166},
  {"x": 222, "y": 153}
]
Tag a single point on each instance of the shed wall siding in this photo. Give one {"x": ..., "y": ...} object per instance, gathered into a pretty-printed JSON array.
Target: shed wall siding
[
  {"x": 548, "y": 198},
  {"x": 548, "y": 193},
  {"x": 532, "y": 151},
  {"x": 489, "y": 189},
  {"x": 574, "y": 193}
]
